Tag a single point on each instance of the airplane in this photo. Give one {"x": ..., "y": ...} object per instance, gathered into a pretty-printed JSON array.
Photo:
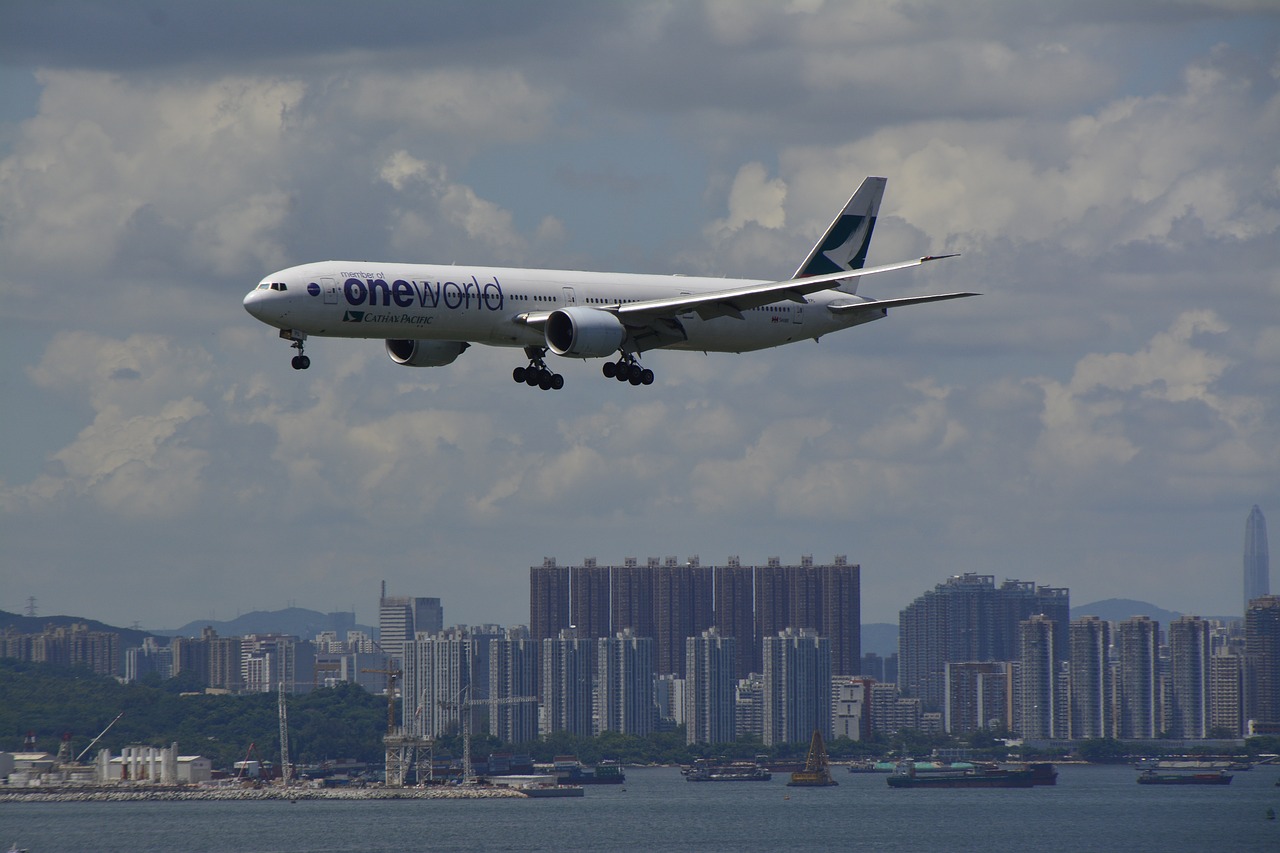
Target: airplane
[{"x": 429, "y": 314}]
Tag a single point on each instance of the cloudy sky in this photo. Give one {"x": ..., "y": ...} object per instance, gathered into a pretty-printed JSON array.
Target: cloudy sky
[{"x": 1102, "y": 418}]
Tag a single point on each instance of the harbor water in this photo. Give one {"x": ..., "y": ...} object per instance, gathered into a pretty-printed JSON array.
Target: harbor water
[{"x": 1090, "y": 809}]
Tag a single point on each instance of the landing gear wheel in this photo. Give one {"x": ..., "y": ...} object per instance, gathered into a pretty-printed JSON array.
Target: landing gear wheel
[
  {"x": 646, "y": 377},
  {"x": 609, "y": 369},
  {"x": 300, "y": 362},
  {"x": 557, "y": 382},
  {"x": 518, "y": 374}
]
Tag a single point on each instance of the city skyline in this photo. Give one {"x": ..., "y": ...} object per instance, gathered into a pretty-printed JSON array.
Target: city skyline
[{"x": 1103, "y": 415}]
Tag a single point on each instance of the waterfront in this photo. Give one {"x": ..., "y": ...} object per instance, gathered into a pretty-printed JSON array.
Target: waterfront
[{"x": 1091, "y": 809}]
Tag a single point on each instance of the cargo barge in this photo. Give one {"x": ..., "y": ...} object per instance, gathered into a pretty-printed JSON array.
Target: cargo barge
[
  {"x": 1029, "y": 776},
  {"x": 704, "y": 770},
  {"x": 568, "y": 771},
  {"x": 1151, "y": 777}
]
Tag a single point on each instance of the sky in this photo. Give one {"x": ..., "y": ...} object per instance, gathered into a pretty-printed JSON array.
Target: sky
[{"x": 1102, "y": 418}]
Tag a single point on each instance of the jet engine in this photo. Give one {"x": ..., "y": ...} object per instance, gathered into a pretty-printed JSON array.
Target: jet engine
[
  {"x": 425, "y": 353},
  {"x": 584, "y": 332}
]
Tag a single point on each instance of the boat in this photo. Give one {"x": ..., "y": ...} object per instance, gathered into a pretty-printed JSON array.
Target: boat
[
  {"x": 1151, "y": 777},
  {"x": 705, "y": 770},
  {"x": 817, "y": 771},
  {"x": 1041, "y": 773},
  {"x": 569, "y": 771},
  {"x": 542, "y": 790}
]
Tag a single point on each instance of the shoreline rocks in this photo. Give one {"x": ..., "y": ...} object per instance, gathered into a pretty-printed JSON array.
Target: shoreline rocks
[{"x": 135, "y": 795}]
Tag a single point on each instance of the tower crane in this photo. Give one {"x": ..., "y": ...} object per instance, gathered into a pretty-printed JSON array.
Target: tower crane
[{"x": 463, "y": 704}]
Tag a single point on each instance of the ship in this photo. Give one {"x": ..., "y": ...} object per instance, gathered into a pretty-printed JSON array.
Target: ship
[
  {"x": 817, "y": 771},
  {"x": 1028, "y": 776},
  {"x": 1151, "y": 777},
  {"x": 705, "y": 770},
  {"x": 568, "y": 771}
]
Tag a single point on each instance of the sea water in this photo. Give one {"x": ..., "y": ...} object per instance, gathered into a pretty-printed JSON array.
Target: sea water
[{"x": 1090, "y": 809}]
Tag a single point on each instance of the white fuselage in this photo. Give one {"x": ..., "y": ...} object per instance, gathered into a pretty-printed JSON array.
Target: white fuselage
[{"x": 490, "y": 305}]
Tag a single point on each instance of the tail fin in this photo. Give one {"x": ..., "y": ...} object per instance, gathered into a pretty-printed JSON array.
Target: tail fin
[{"x": 844, "y": 246}]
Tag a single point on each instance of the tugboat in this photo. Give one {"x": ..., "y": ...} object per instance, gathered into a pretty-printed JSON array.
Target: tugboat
[{"x": 817, "y": 771}]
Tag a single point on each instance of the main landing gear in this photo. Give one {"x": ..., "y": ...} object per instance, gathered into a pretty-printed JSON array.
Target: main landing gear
[
  {"x": 300, "y": 361},
  {"x": 627, "y": 369},
  {"x": 537, "y": 373}
]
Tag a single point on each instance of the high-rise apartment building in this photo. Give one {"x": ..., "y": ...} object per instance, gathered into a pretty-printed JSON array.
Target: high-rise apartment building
[
  {"x": 1039, "y": 683},
  {"x": 513, "y": 673},
  {"x": 1137, "y": 652},
  {"x": 589, "y": 599},
  {"x": 1189, "y": 667},
  {"x": 1262, "y": 660},
  {"x": 797, "y": 686},
  {"x": 567, "y": 685},
  {"x": 1092, "y": 690},
  {"x": 710, "y": 678},
  {"x": 624, "y": 684},
  {"x": 969, "y": 618},
  {"x": 548, "y": 600},
  {"x": 632, "y": 592},
  {"x": 683, "y": 605},
  {"x": 735, "y": 613},
  {"x": 437, "y": 682},
  {"x": 1226, "y": 693},
  {"x": 979, "y": 696},
  {"x": 1257, "y": 562},
  {"x": 824, "y": 599}
]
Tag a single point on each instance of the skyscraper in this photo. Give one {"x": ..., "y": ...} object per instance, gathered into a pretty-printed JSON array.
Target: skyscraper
[
  {"x": 400, "y": 617},
  {"x": 624, "y": 684},
  {"x": 734, "y": 613},
  {"x": 969, "y": 618},
  {"x": 1188, "y": 678},
  {"x": 513, "y": 672},
  {"x": 548, "y": 600},
  {"x": 567, "y": 684},
  {"x": 1039, "y": 678},
  {"x": 1262, "y": 659},
  {"x": 1137, "y": 647},
  {"x": 709, "y": 681},
  {"x": 1257, "y": 564},
  {"x": 797, "y": 686},
  {"x": 1092, "y": 710}
]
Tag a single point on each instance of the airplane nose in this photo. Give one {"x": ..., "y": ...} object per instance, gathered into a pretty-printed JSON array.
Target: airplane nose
[{"x": 255, "y": 302}]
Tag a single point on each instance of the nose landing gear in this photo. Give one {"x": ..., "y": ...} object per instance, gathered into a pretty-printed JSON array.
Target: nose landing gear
[
  {"x": 299, "y": 361},
  {"x": 627, "y": 369}
]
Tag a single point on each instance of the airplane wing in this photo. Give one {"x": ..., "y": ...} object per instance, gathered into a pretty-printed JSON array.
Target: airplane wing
[
  {"x": 884, "y": 304},
  {"x": 731, "y": 302}
]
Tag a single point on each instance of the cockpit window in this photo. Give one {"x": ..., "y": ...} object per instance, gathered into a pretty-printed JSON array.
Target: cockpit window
[
  {"x": 266, "y": 285},
  {"x": 274, "y": 285}
]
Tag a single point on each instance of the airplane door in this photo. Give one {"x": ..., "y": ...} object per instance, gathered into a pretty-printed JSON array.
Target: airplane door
[
  {"x": 569, "y": 298},
  {"x": 797, "y": 313},
  {"x": 330, "y": 288}
]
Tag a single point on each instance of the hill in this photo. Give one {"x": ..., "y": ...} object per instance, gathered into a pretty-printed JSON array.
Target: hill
[
  {"x": 299, "y": 621},
  {"x": 1120, "y": 609},
  {"x": 129, "y": 637}
]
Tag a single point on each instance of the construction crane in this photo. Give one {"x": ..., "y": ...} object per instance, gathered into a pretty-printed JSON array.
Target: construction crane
[
  {"x": 284, "y": 738},
  {"x": 464, "y": 706},
  {"x": 99, "y": 737},
  {"x": 392, "y": 675}
]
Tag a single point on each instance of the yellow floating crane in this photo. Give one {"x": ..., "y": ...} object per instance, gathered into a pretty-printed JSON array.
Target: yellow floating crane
[{"x": 817, "y": 770}]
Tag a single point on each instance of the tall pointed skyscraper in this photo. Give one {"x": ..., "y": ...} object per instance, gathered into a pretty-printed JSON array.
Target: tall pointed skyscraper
[{"x": 1257, "y": 565}]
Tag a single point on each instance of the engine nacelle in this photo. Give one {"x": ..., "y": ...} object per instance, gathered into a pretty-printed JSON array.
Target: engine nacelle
[
  {"x": 583, "y": 332},
  {"x": 425, "y": 353}
]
